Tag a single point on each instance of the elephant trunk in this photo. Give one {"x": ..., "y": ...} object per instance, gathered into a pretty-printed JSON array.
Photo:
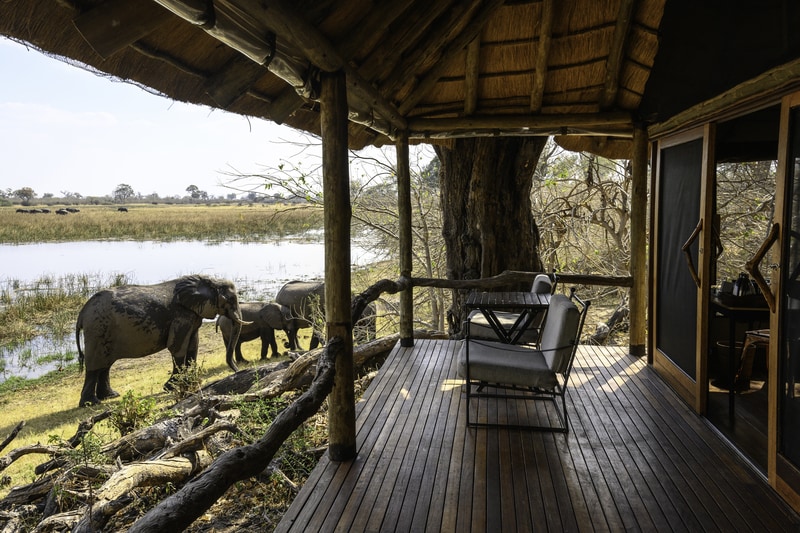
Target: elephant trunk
[{"x": 237, "y": 322}]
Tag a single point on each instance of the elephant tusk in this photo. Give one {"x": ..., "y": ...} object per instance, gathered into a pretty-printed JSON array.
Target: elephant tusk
[{"x": 245, "y": 323}]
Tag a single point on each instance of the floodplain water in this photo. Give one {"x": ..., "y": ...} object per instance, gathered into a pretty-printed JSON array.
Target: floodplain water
[{"x": 257, "y": 269}]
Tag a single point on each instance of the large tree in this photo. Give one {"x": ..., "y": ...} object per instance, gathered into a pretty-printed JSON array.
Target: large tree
[{"x": 488, "y": 224}]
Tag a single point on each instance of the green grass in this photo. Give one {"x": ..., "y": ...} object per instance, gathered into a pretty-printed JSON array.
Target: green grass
[
  {"x": 48, "y": 306},
  {"x": 160, "y": 222}
]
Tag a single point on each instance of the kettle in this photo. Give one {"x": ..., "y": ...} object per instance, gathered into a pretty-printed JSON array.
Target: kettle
[{"x": 743, "y": 285}]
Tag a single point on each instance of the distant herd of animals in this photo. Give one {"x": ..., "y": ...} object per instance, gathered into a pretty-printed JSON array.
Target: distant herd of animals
[
  {"x": 133, "y": 321},
  {"x": 62, "y": 211}
]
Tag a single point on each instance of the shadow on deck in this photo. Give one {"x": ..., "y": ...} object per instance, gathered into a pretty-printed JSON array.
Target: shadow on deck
[{"x": 636, "y": 458}]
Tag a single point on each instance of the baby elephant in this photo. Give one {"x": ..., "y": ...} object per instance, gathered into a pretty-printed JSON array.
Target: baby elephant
[{"x": 264, "y": 319}]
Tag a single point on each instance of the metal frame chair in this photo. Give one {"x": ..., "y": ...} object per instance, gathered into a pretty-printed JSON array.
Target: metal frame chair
[{"x": 530, "y": 374}]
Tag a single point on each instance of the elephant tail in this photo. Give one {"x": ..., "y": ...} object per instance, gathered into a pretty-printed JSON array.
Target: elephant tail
[{"x": 78, "y": 329}]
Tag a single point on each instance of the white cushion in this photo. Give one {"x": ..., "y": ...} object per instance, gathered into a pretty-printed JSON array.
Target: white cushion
[
  {"x": 510, "y": 364},
  {"x": 559, "y": 332},
  {"x": 496, "y": 362}
]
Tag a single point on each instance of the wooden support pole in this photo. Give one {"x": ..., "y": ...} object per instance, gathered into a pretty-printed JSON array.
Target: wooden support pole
[
  {"x": 404, "y": 211},
  {"x": 336, "y": 194},
  {"x": 638, "y": 265}
]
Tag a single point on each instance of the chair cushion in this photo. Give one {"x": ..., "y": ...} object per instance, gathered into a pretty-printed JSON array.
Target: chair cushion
[
  {"x": 479, "y": 327},
  {"x": 559, "y": 332},
  {"x": 542, "y": 284},
  {"x": 496, "y": 362}
]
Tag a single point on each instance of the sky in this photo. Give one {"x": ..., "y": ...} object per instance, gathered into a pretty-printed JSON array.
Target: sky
[{"x": 63, "y": 129}]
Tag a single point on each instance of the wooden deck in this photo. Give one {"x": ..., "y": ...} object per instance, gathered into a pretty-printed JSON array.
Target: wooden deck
[{"x": 636, "y": 458}]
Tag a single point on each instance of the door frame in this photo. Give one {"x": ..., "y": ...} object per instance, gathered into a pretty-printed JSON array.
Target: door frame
[
  {"x": 692, "y": 390},
  {"x": 782, "y": 475}
]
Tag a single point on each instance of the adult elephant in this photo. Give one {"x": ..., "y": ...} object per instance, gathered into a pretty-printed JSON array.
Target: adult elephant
[
  {"x": 365, "y": 329},
  {"x": 138, "y": 320},
  {"x": 304, "y": 299},
  {"x": 264, "y": 319}
]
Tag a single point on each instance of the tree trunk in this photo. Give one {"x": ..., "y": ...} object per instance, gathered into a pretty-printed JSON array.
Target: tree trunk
[{"x": 488, "y": 224}]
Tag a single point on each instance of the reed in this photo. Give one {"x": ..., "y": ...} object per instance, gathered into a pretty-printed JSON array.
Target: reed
[
  {"x": 48, "y": 306},
  {"x": 161, "y": 223}
]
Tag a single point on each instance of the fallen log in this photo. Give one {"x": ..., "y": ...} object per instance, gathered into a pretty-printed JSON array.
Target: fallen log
[
  {"x": 236, "y": 383},
  {"x": 113, "y": 495},
  {"x": 179, "y": 510}
]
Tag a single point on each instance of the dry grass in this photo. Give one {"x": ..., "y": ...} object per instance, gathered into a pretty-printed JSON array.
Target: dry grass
[{"x": 160, "y": 222}]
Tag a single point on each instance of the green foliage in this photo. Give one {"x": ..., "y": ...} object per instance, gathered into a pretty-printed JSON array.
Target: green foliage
[
  {"x": 133, "y": 411},
  {"x": 295, "y": 455},
  {"x": 186, "y": 381}
]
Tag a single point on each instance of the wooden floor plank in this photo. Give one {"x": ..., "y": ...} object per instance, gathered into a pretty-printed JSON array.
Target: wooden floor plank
[{"x": 635, "y": 458}]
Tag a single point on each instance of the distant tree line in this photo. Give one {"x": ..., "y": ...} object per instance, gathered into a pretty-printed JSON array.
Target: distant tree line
[{"x": 124, "y": 193}]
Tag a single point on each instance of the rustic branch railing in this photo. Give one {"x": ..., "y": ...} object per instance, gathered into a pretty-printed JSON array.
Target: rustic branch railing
[{"x": 509, "y": 277}]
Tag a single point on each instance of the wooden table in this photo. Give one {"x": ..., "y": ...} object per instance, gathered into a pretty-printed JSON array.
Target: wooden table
[
  {"x": 736, "y": 313},
  {"x": 527, "y": 304}
]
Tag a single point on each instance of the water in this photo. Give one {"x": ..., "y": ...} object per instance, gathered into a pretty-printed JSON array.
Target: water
[{"x": 257, "y": 269}]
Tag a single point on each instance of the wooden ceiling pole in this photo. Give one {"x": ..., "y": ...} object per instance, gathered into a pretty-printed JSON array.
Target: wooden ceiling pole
[
  {"x": 234, "y": 80},
  {"x": 542, "y": 54},
  {"x": 286, "y": 24},
  {"x": 471, "y": 69},
  {"x": 601, "y": 123},
  {"x": 336, "y": 190},
  {"x": 455, "y": 47},
  {"x": 383, "y": 62},
  {"x": 113, "y": 25},
  {"x": 617, "y": 53}
]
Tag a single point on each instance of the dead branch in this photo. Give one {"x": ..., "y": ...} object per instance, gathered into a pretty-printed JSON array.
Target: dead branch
[
  {"x": 12, "y": 435},
  {"x": 114, "y": 494},
  {"x": 197, "y": 440},
  {"x": 15, "y": 454},
  {"x": 179, "y": 510}
]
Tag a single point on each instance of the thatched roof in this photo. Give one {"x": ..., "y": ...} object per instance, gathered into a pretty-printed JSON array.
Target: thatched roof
[{"x": 434, "y": 68}]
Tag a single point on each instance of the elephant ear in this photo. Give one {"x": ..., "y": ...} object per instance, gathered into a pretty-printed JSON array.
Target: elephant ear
[{"x": 198, "y": 294}]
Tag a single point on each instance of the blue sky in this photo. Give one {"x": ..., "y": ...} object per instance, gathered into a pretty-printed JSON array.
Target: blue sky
[{"x": 66, "y": 129}]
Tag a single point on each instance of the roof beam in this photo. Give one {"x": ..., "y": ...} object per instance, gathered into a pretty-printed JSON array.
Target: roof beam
[
  {"x": 542, "y": 54},
  {"x": 617, "y": 53},
  {"x": 286, "y": 24},
  {"x": 113, "y": 25},
  {"x": 471, "y": 70},
  {"x": 469, "y": 33},
  {"x": 618, "y": 124}
]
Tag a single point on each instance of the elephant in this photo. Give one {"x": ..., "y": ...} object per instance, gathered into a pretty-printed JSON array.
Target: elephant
[
  {"x": 303, "y": 299},
  {"x": 265, "y": 318},
  {"x": 366, "y": 327},
  {"x": 137, "y": 320}
]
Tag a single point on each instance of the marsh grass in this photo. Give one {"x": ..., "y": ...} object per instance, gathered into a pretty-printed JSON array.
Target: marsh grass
[
  {"x": 47, "y": 306},
  {"x": 161, "y": 222}
]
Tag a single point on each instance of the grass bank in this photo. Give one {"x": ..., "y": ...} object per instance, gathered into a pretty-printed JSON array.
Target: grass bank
[
  {"x": 49, "y": 405},
  {"x": 160, "y": 222}
]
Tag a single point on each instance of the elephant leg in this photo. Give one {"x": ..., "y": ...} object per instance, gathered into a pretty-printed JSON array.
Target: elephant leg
[
  {"x": 267, "y": 342},
  {"x": 89, "y": 391},
  {"x": 191, "y": 351},
  {"x": 315, "y": 341},
  {"x": 104, "y": 390},
  {"x": 291, "y": 334},
  {"x": 239, "y": 357}
]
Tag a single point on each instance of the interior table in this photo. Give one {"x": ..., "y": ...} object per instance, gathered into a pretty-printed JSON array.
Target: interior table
[
  {"x": 527, "y": 304},
  {"x": 737, "y": 313}
]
